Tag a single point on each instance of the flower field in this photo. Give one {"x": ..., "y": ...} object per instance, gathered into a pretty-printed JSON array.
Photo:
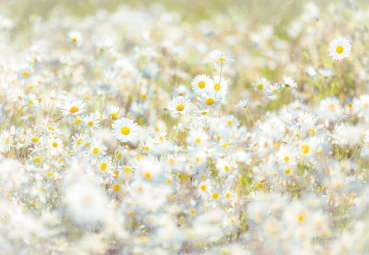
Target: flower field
[{"x": 135, "y": 131}]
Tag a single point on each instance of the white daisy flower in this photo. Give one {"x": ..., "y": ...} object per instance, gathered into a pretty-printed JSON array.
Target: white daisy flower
[
  {"x": 289, "y": 82},
  {"x": 201, "y": 84},
  {"x": 210, "y": 100},
  {"x": 125, "y": 130},
  {"x": 222, "y": 58},
  {"x": 75, "y": 38},
  {"x": 73, "y": 107},
  {"x": 179, "y": 105},
  {"x": 55, "y": 146},
  {"x": 261, "y": 84},
  {"x": 340, "y": 48},
  {"x": 242, "y": 104},
  {"x": 219, "y": 86},
  {"x": 273, "y": 91}
]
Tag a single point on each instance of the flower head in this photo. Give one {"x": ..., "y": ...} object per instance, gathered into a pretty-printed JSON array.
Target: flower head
[
  {"x": 179, "y": 105},
  {"x": 340, "y": 48},
  {"x": 222, "y": 58},
  {"x": 125, "y": 130}
]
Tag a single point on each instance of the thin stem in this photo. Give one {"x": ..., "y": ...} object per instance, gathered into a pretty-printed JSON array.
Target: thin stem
[
  {"x": 175, "y": 131},
  {"x": 220, "y": 76},
  {"x": 16, "y": 115},
  {"x": 252, "y": 116}
]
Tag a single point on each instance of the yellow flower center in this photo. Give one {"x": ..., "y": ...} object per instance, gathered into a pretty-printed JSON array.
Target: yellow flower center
[
  {"x": 305, "y": 149},
  {"x": 222, "y": 59},
  {"x": 35, "y": 139},
  {"x": 51, "y": 128},
  {"x": 229, "y": 123},
  {"x": 95, "y": 150},
  {"x": 260, "y": 86},
  {"x": 50, "y": 174},
  {"x": 73, "y": 109},
  {"x": 125, "y": 130},
  {"x": 339, "y": 49},
  {"x": 25, "y": 74},
  {"x": 286, "y": 158},
  {"x": 77, "y": 122},
  {"x": 287, "y": 171},
  {"x": 226, "y": 168},
  {"x": 116, "y": 187},
  {"x": 201, "y": 84},
  {"x": 74, "y": 40},
  {"x": 180, "y": 107},
  {"x": 55, "y": 144},
  {"x": 113, "y": 116},
  {"x": 103, "y": 166},
  {"x": 79, "y": 141},
  {"x": 226, "y": 144},
  {"x": 301, "y": 218},
  {"x": 127, "y": 170},
  {"x": 30, "y": 117},
  {"x": 193, "y": 211},
  {"x": 198, "y": 140},
  {"x": 31, "y": 102},
  {"x": 318, "y": 153},
  {"x": 260, "y": 185},
  {"x": 147, "y": 175},
  {"x": 209, "y": 101},
  {"x": 7, "y": 140},
  {"x": 90, "y": 123},
  {"x": 313, "y": 131},
  {"x": 215, "y": 195},
  {"x": 37, "y": 159},
  {"x": 217, "y": 86},
  {"x": 203, "y": 187}
]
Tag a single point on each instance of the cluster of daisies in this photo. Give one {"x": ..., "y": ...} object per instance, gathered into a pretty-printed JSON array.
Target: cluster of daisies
[{"x": 119, "y": 140}]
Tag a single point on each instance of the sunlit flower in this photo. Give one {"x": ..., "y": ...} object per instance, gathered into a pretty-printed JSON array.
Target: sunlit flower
[
  {"x": 125, "y": 130},
  {"x": 340, "y": 48}
]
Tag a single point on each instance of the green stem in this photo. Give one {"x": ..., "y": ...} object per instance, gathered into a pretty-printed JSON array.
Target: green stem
[
  {"x": 175, "y": 131},
  {"x": 16, "y": 115},
  {"x": 220, "y": 76},
  {"x": 252, "y": 116}
]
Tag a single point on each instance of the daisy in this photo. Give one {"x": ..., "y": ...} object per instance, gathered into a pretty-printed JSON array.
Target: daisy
[
  {"x": 75, "y": 38},
  {"x": 210, "y": 100},
  {"x": 55, "y": 146},
  {"x": 73, "y": 107},
  {"x": 289, "y": 82},
  {"x": 222, "y": 58},
  {"x": 242, "y": 104},
  {"x": 90, "y": 122},
  {"x": 25, "y": 72},
  {"x": 219, "y": 86},
  {"x": 201, "y": 84},
  {"x": 340, "y": 48},
  {"x": 179, "y": 105},
  {"x": 273, "y": 91},
  {"x": 125, "y": 130},
  {"x": 261, "y": 84},
  {"x": 112, "y": 112}
]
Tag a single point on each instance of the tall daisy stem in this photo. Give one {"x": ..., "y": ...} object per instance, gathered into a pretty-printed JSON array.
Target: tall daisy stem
[
  {"x": 175, "y": 131},
  {"x": 220, "y": 75}
]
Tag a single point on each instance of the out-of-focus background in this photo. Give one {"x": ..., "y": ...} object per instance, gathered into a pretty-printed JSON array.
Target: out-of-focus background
[{"x": 276, "y": 12}]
